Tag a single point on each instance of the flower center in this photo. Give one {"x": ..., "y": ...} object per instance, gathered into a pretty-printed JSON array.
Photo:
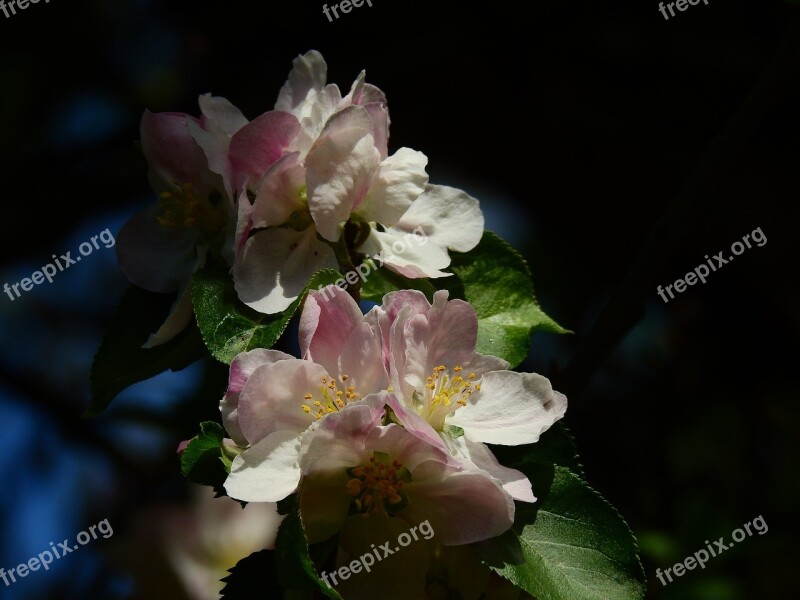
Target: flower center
[
  {"x": 377, "y": 486},
  {"x": 329, "y": 398},
  {"x": 445, "y": 393},
  {"x": 182, "y": 209}
]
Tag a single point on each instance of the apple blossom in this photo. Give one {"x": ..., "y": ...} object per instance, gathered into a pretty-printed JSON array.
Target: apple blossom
[
  {"x": 454, "y": 397},
  {"x": 337, "y": 173},
  {"x": 203, "y": 543},
  {"x": 354, "y": 468},
  {"x": 161, "y": 246},
  {"x": 273, "y": 399}
]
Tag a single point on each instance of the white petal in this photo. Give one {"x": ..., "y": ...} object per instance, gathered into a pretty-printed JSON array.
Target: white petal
[
  {"x": 179, "y": 317},
  {"x": 273, "y": 398},
  {"x": 267, "y": 472},
  {"x": 449, "y": 217},
  {"x": 309, "y": 72},
  {"x": 406, "y": 253},
  {"x": 514, "y": 482},
  {"x": 275, "y": 266},
  {"x": 182, "y": 312},
  {"x": 511, "y": 409},
  {"x": 315, "y": 112},
  {"x": 341, "y": 168},
  {"x": 221, "y": 115},
  {"x": 401, "y": 179},
  {"x": 278, "y": 193}
]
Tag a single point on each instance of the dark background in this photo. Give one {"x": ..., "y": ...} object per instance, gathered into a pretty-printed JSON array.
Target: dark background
[{"x": 613, "y": 148}]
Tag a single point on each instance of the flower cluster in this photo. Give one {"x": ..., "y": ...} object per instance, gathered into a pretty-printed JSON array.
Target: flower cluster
[
  {"x": 307, "y": 186},
  {"x": 383, "y": 422},
  {"x": 390, "y": 420},
  {"x": 385, "y": 417}
]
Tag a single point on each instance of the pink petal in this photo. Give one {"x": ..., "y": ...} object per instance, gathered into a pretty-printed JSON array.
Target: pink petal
[
  {"x": 462, "y": 507},
  {"x": 260, "y": 143},
  {"x": 242, "y": 366},
  {"x": 171, "y": 152},
  {"x": 272, "y": 399},
  {"x": 327, "y": 320},
  {"x": 414, "y": 423}
]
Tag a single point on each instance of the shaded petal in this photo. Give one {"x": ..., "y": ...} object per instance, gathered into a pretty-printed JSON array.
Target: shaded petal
[
  {"x": 278, "y": 194},
  {"x": 244, "y": 225},
  {"x": 414, "y": 423},
  {"x": 450, "y": 218},
  {"x": 172, "y": 154},
  {"x": 401, "y": 179},
  {"x": 272, "y": 398},
  {"x": 461, "y": 506},
  {"x": 324, "y": 503},
  {"x": 242, "y": 366},
  {"x": 221, "y": 116},
  {"x": 374, "y": 100},
  {"x": 314, "y": 113},
  {"x": 514, "y": 482},
  {"x": 362, "y": 362},
  {"x": 400, "y": 577},
  {"x": 341, "y": 167},
  {"x": 275, "y": 266},
  {"x": 404, "y": 446},
  {"x": 179, "y": 317},
  {"x": 220, "y": 121},
  {"x": 267, "y": 472},
  {"x": 483, "y": 363},
  {"x": 327, "y": 320},
  {"x": 155, "y": 258},
  {"x": 259, "y": 144},
  {"x": 511, "y": 409},
  {"x": 339, "y": 441},
  {"x": 380, "y": 129}
]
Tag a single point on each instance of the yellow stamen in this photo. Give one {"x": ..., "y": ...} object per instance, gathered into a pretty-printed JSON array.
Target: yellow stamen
[{"x": 182, "y": 208}]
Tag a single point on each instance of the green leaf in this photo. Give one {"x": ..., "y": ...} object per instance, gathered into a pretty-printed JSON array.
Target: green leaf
[
  {"x": 230, "y": 327},
  {"x": 495, "y": 279},
  {"x": 573, "y": 543},
  {"x": 121, "y": 361},
  {"x": 296, "y": 570},
  {"x": 204, "y": 461},
  {"x": 256, "y": 572}
]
